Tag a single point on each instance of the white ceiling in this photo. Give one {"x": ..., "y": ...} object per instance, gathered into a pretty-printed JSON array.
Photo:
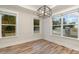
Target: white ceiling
[
  {"x": 35, "y": 7},
  {"x": 59, "y": 8},
  {"x": 55, "y": 8}
]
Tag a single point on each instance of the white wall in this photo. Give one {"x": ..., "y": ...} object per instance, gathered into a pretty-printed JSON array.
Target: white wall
[
  {"x": 25, "y": 28},
  {"x": 47, "y": 34}
]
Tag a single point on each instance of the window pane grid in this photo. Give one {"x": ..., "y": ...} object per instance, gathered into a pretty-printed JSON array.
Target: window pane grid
[
  {"x": 68, "y": 27},
  {"x": 8, "y": 25},
  {"x": 36, "y": 25},
  {"x": 56, "y": 25}
]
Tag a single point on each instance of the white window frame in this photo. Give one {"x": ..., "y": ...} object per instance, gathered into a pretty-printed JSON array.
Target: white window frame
[
  {"x": 56, "y": 25},
  {"x": 38, "y": 26},
  {"x": 62, "y": 13},
  {"x": 8, "y": 12}
]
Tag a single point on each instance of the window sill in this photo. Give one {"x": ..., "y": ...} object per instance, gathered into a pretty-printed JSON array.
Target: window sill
[
  {"x": 8, "y": 37},
  {"x": 65, "y": 37},
  {"x": 37, "y": 32}
]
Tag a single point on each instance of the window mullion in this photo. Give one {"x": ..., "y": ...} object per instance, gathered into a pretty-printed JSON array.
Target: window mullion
[
  {"x": 61, "y": 26},
  {"x": 78, "y": 27},
  {"x": 0, "y": 25}
]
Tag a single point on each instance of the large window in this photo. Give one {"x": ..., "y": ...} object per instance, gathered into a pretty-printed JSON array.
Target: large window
[
  {"x": 56, "y": 25},
  {"x": 70, "y": 26},
  {"x": 7, "y": 25},
  {"x": 66, "y": 25}
]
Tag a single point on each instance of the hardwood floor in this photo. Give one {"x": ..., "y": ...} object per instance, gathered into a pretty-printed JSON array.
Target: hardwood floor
[{"x": 37, "y": 47}]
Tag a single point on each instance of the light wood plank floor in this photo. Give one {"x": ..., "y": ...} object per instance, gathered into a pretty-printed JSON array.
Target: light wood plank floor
[{"x": 37, "y": 47}]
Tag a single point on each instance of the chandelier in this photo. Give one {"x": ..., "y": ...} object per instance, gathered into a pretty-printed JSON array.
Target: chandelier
[{"x": 44, "y": 11}]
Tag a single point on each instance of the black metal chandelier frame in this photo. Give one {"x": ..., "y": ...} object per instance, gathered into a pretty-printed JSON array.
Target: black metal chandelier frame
[{"x": 44, "y": 11}]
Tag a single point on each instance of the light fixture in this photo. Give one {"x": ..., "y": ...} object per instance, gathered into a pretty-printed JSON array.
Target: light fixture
[{"x": 44, "y": 11}]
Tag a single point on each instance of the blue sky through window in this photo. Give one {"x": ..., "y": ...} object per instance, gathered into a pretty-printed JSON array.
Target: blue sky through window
[{"x": 70, "y": 19}]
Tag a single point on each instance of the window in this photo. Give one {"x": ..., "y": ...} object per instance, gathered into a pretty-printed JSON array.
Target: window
[
  {"x": 36, "y": 25},
  {"x": 7, "y": 24},
  {"x": 70, "y": 26},
  {"x": 66, "y": 25},
  {"x": 56, "y": 25}
]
